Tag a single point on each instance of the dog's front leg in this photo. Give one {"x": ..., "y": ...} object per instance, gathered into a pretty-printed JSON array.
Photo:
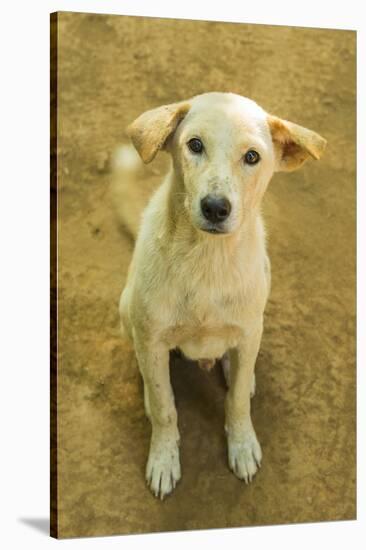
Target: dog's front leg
[
  {"x": 163, "y": 466},
  {"x": 244, "y": 451}
]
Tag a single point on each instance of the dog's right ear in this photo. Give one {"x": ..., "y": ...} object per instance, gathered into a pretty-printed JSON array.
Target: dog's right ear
[{"x": 150, "y": 131}]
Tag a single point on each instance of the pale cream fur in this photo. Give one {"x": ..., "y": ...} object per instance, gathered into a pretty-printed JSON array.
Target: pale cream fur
[{"x": 200, "y": 292}]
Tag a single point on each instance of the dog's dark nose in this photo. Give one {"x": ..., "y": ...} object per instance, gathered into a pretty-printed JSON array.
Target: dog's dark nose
[{"x": 215, "y": 209}]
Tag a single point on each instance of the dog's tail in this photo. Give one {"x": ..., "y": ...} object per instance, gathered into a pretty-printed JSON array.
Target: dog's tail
[{"x": 128, "y": 194}]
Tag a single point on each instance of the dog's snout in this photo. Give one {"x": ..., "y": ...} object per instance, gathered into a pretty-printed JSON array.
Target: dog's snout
[{"x": 215, "y": 209}]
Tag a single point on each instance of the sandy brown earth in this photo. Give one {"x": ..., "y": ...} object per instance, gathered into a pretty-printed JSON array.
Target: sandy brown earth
[{"x": 112, "y": 68}]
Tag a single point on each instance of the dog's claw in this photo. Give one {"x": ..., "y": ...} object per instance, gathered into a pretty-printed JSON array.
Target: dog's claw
[
  {"x": 163, "y": 469},
  {"x": 244, "y": 455}
]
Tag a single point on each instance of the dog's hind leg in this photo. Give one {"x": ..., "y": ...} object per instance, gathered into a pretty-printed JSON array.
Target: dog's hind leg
[
  {"x": 147, "y": 402},
  {"x": 252, "y": 386},
  {"x": 225, "y": 363}
]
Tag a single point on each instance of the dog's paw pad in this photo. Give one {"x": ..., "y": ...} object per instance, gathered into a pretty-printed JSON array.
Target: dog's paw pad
[
  {"x": 163, "y": 470},
  {"x": 245, "y": 456}
]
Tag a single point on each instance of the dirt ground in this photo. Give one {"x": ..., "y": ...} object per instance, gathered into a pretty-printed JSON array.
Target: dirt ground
[{"x": 111, "y": 69}]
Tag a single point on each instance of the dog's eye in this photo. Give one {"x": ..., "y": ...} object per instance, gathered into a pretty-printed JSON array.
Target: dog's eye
[
  {"x": 195, "y": 145},
  {"x": 251, "y": 157}
]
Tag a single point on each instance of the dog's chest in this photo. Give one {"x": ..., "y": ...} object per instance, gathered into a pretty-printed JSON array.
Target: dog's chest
[
  {"x": 203, "y": 324},
  {"x": 204, "y": 305}
]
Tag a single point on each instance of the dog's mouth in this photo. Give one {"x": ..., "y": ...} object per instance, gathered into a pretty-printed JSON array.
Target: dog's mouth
[{"x": 214, "y": 230}]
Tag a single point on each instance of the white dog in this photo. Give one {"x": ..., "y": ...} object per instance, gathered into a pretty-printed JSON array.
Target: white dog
[{"x": 200, "y": 276}]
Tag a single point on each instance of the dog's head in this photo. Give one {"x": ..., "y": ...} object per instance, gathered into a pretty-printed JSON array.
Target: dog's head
[{"x": 225, "y": 149}]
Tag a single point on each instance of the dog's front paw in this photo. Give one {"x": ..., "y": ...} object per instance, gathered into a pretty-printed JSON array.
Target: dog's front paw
[
  {"x": 245, "y": 455},
  {"x": 163, "y": 467}
]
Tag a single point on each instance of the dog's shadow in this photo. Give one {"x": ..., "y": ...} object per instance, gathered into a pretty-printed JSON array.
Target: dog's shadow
[{"x": 197, "y": 391}]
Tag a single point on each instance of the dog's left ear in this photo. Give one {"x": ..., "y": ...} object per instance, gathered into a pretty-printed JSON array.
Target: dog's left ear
[
  {"x": 294, "y": 144},
  {"x": 150, "y": 131}
]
